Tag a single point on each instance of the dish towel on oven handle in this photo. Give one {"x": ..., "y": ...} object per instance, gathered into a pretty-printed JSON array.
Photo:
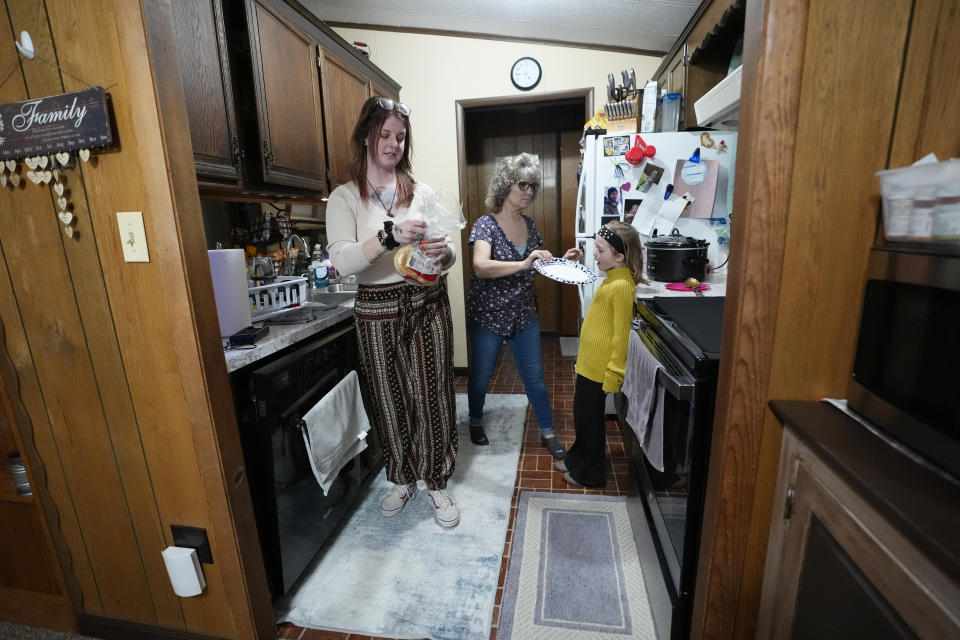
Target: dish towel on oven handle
[
  {"x": 644, "y": 399},
  {"x": 335, "y": 430}
]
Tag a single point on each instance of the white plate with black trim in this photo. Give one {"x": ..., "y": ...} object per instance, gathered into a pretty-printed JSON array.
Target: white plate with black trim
[{"x": 565, "y": 271}]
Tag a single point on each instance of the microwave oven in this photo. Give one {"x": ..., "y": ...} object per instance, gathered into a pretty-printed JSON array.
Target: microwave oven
[{"x": 906, "y": 370}]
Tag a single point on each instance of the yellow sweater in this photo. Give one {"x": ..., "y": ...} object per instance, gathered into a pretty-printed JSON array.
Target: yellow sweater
[{"x": 605, "y": 333}]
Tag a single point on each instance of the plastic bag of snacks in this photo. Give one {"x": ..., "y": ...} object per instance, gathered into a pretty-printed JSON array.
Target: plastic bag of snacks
[{"x": 443, "y": 216}]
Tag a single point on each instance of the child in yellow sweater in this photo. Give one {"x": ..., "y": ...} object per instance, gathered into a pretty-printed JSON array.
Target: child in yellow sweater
[{"x": 602, "y": 357}]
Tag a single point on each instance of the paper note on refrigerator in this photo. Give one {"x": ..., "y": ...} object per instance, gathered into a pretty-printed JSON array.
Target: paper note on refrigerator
[{"x": 704, "y": 192}]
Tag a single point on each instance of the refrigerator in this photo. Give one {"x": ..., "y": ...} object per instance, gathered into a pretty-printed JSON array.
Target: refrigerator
[{"x": 657, "y": 182}]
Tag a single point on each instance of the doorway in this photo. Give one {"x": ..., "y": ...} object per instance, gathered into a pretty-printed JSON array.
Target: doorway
[{"x": 549, "y": 126}]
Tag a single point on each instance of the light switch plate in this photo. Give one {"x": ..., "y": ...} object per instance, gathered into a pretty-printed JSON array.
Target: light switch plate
[{"x": 133, "y": 238}]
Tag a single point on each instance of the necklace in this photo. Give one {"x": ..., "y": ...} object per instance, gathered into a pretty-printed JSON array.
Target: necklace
[{"x": 393, "y": 200}]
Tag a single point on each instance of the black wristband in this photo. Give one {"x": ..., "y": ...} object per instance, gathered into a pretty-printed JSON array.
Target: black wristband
[{"x": 386, "y": 236}]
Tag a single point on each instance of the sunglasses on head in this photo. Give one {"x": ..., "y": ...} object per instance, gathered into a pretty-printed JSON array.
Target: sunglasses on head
[
  {"x": 390, "y": 105},
  {"x": 525, "y": 186}
]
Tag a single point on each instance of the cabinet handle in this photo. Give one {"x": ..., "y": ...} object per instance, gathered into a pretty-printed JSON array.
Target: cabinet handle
[
  {"x": 788, "y": 502},
  {"x": 267, "y": 156}
]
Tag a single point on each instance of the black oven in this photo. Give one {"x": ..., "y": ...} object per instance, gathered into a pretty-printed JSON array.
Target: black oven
[
  {"x": 904, "y": 377},
  {"x": 683, "y": 334},
  {"x": 294, "y": 517}
]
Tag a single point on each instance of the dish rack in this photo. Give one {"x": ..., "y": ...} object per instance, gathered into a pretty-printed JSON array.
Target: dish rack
[{"x": 283, "y": 294}]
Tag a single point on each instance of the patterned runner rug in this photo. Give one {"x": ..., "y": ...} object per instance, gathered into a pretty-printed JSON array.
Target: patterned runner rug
[
  {"x": 407, "y": 577},
  {"x": 574, "y": 572}
]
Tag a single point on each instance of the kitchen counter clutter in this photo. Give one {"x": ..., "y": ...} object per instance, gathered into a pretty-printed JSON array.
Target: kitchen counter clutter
[
  {"x": 716, "y": 283},
  {"x": 282, "y": 336}
]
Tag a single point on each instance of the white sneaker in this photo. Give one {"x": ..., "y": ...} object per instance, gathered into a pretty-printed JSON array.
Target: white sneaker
[
  {"x": 392, "y": 503},
  {"x": 445, "y": 512}
]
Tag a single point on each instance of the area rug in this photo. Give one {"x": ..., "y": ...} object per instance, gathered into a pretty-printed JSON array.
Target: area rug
[
  {"x": 574, "y": 573},
  {"x": 407, "y": 577},
  {"x": 569, "y": 345}
]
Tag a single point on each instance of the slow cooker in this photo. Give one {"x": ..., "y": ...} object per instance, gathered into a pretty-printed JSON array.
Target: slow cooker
[{"x": 676, "y": 257}]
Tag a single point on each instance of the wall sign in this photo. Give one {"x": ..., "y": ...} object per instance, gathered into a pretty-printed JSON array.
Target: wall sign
[{"x": 55, "y": 124}]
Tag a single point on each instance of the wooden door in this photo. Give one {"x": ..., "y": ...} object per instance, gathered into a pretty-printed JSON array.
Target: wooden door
[
  {"x": 344, "y": 92},
  {"x": 289, "y": 110},
  {"x": 494, "y": 134},
  {"x": 207, "y": 88},
  {"x": 824, "y": 532}
]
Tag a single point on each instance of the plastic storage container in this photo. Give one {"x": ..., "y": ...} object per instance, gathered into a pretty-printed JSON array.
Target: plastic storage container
[
  {"x": 670, "y": 109},
  {"x": 946, "y": 214}
]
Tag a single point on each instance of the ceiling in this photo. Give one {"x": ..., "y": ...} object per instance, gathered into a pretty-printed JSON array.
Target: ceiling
[{"x": 647, "y": 26}]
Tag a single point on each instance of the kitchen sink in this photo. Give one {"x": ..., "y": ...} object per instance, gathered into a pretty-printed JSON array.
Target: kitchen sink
[
  {"x": 338, "y": 288},
  {"x": 332, "y": 294}
]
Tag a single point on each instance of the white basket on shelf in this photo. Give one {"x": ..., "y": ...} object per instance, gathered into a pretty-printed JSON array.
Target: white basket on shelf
[{"x": 280, "y": 295}]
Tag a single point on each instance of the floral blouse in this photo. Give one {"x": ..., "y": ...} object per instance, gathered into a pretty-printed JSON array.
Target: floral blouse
[{"x": 503, "y": 305}]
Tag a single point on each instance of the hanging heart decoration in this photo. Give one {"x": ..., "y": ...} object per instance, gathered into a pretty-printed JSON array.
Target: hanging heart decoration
[
  {"x": 3, "y": 179},
  {"x": 35, "y": 176},
  {"x": 58, "y": 187},
  {"x": 63, "y": 158},
  {"x": 15, "y": 179},
  {"x": 62, "y": 203},
  {"x": 11, "y": 165},
  {"x": 56, "y": 175},
  {"x": 43, "y": 161},
  {"x": 84, "y": 154},
  {"x": 46, "y": 176},
  {"x": 31, "y": 162},
  {"x": 65, "y": 217},
  {"x": 67, "y": 229}
]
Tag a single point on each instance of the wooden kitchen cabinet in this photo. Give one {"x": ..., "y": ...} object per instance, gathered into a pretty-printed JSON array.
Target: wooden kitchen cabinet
[
  {"x": 700, "y": 57},
  {"x": 344, "y": 91},
  {"x": 862, "y": 542},
  {"x": 287, "y": 88},
  {"x": 208, "y": 88}
]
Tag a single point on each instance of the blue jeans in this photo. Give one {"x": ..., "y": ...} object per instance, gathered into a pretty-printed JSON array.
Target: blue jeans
[{"x": 525, "y": 346}]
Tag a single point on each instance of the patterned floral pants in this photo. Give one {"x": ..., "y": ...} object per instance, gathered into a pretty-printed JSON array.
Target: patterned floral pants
[{"x": 405, "y": 337}]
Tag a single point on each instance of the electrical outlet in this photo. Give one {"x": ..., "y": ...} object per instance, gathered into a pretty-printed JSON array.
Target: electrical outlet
[
  {"x": 192, "y": 538},
  {"x": 133, "y": 238}
]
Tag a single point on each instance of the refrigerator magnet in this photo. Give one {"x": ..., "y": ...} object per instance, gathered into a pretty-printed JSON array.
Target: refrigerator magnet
[{"x": 693, "y": 171}]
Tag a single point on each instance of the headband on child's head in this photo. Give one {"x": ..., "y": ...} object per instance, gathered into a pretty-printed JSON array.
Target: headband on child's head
[{"x": 615, "y": 241}]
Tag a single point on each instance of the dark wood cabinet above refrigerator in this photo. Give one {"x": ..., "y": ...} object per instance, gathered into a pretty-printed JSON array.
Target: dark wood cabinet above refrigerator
[{"x": 272, "y": 95}]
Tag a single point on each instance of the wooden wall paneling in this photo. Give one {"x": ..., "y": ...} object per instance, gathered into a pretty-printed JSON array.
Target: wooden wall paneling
[
  {"x": 828, "y": 219},
  {"x": 929, "y": 106},
  {"x": 774, "y": 39},
  {"x": 37, "y": 609},
  {"x": 114, "y": 182},
  {"x": 58, "y": 352},
  {"x": 24, "y": 409},
  {"x": 247, "y": 585}
]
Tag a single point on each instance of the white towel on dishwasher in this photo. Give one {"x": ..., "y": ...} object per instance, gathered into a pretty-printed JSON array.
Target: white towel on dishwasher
[
  {"x": 335, "y": 430},
  {"x": 644, "y": 399}
]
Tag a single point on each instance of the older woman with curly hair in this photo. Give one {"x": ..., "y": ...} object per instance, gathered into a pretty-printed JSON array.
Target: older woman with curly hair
[{"x": 501, "y": 306}]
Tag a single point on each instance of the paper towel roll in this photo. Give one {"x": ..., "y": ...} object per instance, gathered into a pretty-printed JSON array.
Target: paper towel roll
[
  {"x": 186, "y": 576},
  {"x": 228, "y": 269}
]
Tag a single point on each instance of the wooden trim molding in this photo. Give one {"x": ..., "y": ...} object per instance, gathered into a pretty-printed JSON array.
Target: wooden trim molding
[
  {"x": 774, "y": 40},
  {"x": 493, "y": 36}
]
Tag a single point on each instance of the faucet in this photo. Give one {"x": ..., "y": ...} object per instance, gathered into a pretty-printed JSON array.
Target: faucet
[{"x": 289, "y": 264}]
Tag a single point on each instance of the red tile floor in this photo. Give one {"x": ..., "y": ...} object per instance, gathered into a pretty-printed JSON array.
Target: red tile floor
[{"x": 535, "y": 469}]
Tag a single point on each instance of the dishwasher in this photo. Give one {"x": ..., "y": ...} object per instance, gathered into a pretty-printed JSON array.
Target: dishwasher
[{"x": 295, "y": 520}]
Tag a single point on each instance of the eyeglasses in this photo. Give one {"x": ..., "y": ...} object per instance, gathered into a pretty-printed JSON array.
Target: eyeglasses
[
  {"x": 390, "y": 105},
  {"x": 525, "y": 186}
]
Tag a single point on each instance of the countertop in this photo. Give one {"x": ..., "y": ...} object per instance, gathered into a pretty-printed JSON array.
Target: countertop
[
  {"x": 282, "y": 336},
  {"x": 716, "y": 281},
  {"x": 920, "y": 501}
]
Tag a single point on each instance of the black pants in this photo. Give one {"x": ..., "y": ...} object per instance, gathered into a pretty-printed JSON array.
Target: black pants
[{"x": 586, "y": 460}]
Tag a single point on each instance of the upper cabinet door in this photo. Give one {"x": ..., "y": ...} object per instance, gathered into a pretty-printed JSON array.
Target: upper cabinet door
[
  {"x": 287, "y": 89},
  {"x": 207, "y": 87},
  {"x": 344, "y": 92}
]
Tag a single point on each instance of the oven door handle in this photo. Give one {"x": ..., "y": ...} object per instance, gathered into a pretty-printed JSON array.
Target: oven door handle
[
  {"x": 681, "y": 389},
  {"x": 326, "y": 381}
]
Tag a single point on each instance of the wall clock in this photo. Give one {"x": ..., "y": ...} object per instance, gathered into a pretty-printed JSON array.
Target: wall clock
[{"x": 525, "y": 73}]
